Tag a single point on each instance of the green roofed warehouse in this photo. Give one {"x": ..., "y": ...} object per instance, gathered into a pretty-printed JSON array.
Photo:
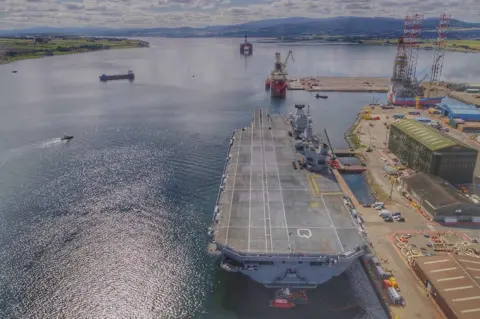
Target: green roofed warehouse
[{"x": 425, "y": 149}]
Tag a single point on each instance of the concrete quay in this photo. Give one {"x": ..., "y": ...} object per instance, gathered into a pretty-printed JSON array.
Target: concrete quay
[
  {"x": 339, "y": 84},
  {"x": 468, "y": 98},
  {"x": 381, "y": 234}
]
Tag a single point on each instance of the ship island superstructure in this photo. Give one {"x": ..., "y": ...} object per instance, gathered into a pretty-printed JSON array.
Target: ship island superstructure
[{"x": 275, "y": 220}]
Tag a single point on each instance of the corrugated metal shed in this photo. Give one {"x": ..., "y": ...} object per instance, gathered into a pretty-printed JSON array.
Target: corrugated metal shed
[
  {"x": 438, "y": 196},
  {"x": 425, "y": 135},
  {"x": 455, "y": 282},
  {"x": 461, "y": 111}
]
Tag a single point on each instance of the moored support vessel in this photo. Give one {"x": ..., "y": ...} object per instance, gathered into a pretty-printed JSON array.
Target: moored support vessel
[{"x": 278, "y": 77}]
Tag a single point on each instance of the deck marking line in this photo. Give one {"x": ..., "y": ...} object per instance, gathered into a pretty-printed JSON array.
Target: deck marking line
[
  {"x": 263, "y": 197},
  {"x": 233, "y": 189},
  {"x": 333, "y": 225},
  {"x": 264, "y": 167},
  {"x": 250, "y": 195},
  {"x": 281, "y": 193}
]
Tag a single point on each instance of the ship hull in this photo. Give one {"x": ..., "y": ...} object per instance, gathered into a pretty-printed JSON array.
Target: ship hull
[
  {"x": 305, "y": 276},
  {"x": 424, "y": 101},
  {"x": 246, "y": 49},
  {"x": 105, "y": 78},
  {"x": 278, "y": 90}
]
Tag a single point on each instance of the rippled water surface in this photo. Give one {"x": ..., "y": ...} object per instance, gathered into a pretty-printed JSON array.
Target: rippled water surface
[{"x": 112, "y": 224}]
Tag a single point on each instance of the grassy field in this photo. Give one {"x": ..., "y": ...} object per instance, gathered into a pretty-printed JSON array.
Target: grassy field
[
  {"x": 452, "y": 45},
  {"x": 21, "y": 49}
]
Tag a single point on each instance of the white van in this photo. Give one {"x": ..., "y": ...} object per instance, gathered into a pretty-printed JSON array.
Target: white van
[{"x": 379, "y": 205}]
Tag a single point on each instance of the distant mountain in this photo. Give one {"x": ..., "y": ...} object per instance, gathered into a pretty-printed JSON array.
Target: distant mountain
[
  {"x": 283, "y": 27},
  {"x": 58, "y": 30}
]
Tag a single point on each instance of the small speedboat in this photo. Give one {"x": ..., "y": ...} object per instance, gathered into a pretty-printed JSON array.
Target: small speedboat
[
  {"x": 66, "y": 137},
  {"x": 318, "y": 96}
]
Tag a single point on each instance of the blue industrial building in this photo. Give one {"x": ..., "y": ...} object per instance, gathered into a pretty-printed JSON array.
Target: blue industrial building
[{"x": 460, "y": 111}]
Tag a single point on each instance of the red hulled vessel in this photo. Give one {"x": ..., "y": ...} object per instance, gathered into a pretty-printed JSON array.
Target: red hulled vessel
[
  {"x": 246, "y": 48},
  {"x": 278, "y": 78}
]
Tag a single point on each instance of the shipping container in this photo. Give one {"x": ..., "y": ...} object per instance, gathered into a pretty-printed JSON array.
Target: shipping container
[
  {"x": 393, "y": 282},
  {"x": 393, "y": 295},
  {"x": 473, "y": 90},
  {"x": 423, "y": 119},
  {"x": 380, "y": 272}
]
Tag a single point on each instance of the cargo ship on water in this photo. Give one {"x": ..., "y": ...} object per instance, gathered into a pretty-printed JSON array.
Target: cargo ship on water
[
  {"x": 277, "y": 81},
  {"x": 280, "y": 217},
  {"x": 128, "y": 76}
]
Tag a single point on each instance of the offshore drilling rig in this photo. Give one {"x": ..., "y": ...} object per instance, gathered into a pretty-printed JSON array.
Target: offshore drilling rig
[{"x": 406, "y": 88}]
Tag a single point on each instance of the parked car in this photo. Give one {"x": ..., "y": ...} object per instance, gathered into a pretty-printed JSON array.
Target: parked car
[{"x": 384, "y": 212}]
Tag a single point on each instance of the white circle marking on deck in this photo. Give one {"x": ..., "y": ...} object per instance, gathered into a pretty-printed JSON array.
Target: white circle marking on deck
[{"x": 304, "y": 233}]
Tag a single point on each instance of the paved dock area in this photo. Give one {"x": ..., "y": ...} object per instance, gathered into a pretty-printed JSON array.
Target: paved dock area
[
  {"x": 267, "y": 206},
  {"x": 339, "y": 84},
  {"x": 468, "y": 98},
  {"x": 375, "y": 133},
  {"x": 381, "y": 233}
]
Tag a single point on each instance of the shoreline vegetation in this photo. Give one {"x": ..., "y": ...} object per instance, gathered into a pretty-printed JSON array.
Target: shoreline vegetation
[
  {"x": 22, "y": 48},
  {"x": 467, "y": 45},
  {"x": 455, "y": 45}
]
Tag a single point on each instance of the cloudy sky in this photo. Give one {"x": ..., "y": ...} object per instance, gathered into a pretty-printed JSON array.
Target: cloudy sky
[{"x": 164, "y": 13}]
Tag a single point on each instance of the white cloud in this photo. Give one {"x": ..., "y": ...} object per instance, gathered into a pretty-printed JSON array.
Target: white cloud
[{"x": 165, "y": 13}]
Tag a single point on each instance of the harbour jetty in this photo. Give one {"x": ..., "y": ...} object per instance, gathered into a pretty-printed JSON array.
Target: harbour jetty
[{"x": 339, "y": 84}]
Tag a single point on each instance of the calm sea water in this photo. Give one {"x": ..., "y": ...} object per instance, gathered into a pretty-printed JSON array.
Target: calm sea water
[{"x": 113, "y": 224}]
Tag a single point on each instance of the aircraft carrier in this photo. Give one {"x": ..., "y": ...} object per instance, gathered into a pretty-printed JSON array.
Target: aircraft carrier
[{"x": 280, "y": 217}]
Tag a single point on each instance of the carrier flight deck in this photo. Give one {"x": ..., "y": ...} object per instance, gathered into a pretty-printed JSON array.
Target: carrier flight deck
[
  {"x": 267, "y": 206},
  {"x": 282, "y": 223}
]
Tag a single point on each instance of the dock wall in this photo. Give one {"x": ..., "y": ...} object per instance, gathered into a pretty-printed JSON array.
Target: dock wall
[
  {"x": 364, "y": 259},
  {"x": 378, "y": 293},
  {"x": 339, "y": 84}
]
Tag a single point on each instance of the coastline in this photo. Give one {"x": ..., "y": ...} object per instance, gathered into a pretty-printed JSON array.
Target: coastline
[
  {"x": 27, "y": 48},
  {"x": 465, "y": 46}
]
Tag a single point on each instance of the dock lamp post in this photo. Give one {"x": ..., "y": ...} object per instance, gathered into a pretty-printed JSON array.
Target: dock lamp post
[{"x": 421, "y": 193}]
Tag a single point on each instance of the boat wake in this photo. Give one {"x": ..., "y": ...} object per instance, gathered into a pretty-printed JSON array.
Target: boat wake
[
  {"x": 49, "y": 143},
  {"x": 14, "y": 153}
]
